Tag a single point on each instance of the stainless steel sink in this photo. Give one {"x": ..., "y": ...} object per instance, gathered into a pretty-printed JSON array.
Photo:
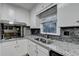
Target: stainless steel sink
[
  {"x": 44, "y": 40},
  {"x": 49, "y": 41},
  {"x": 38, "y": 39}
]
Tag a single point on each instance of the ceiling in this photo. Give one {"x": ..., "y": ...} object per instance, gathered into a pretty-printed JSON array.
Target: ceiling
[{"x": 28, "y": 6}]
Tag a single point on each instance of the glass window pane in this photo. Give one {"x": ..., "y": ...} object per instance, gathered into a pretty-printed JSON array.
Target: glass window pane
[{"x": 49, "y": 26}]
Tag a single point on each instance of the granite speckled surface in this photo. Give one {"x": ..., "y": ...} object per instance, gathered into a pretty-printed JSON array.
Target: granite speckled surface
[
  {"x": 64, "y": 48},
  {"x": 9, "y": 40}
]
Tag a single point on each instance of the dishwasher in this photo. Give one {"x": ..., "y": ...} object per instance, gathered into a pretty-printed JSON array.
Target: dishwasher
[{"x": 53, "y": 53}]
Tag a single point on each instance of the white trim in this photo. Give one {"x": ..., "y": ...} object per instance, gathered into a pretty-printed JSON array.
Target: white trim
[{"x": 57, "y": 28}]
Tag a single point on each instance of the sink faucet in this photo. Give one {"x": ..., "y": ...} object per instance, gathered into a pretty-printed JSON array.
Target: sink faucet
[{"x": 47, "y": 36}]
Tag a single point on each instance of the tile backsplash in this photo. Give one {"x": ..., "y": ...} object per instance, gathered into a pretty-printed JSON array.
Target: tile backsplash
[
  {"x": 0, "y": 31},
  {"x": 73, "y": 36}
]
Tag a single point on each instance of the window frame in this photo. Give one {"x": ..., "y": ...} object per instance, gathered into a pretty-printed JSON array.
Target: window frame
[{"x": 47, "y": 20}]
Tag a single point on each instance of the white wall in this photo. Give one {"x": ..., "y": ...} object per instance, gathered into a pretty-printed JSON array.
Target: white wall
[
  {"x": 11, "y": 12},
  {"x": 35, "y": 21}
]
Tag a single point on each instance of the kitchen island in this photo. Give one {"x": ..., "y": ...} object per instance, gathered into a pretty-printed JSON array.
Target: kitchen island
[{"x": 13, "y": 47}]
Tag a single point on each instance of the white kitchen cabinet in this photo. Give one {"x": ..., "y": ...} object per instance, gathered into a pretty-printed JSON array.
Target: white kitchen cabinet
[
  {"x": 9, "y": 49},
  {"x": 68, "y": 14},
  {"x": 10, "y": 12},
  {"x": 22, "y": 15},
  {"x": 7, "y": 12},
  {"x": 14, "y": 48},
  {"x": 21, "y": 47},
  {"x": 0, "y": 49},
  {"x": 32, "y": 51},
  {"x": 42, "y": 51},
  {"x": 36, "y": 50}
]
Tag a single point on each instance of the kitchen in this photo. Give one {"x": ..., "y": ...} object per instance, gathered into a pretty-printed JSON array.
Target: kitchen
[{"x": 39, "y": 29}]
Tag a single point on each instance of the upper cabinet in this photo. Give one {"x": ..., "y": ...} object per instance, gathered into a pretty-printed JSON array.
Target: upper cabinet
[
  {"x": 7, "y": 12},
  {"x": 11, "y": 12},
  {"x": 22, "y": 15},
  {"x": 68, "y": 14}
]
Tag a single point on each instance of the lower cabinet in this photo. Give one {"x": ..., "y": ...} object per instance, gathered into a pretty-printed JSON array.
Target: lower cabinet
[
  {"x": 22, "y": 47},
  {"x": 9, "y": 49},
  {"x": 36, "y": 50},
  {"x": 0, "y": 49},
  {"x": 14, "y": 48},
  {"x": 32, "y": 48},
  {"x": 42, "y": 51}
]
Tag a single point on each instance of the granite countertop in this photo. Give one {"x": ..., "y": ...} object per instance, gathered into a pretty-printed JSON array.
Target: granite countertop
[
  {"x": 64, "y": 48},
  {"x": 9, "y": 40}
]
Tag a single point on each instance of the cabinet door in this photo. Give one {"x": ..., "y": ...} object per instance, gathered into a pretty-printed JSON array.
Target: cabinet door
[
  {"x": 68, "y": 14},
  {"x": 0, "y": 49},
  {"x": 9, "y": 49},
  {"x": 8, "y": 12},
  {"x": 22, "y": 47},
  {"x": 22, "y": 15},
  {"x": 42, "y": 51},
  {"x": 32, "y": 48}
]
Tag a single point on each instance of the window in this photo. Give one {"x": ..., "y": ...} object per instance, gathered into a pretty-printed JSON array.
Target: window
[
  {"x": 49, "y": 21},
  {"x": 49, "y": 25}
]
